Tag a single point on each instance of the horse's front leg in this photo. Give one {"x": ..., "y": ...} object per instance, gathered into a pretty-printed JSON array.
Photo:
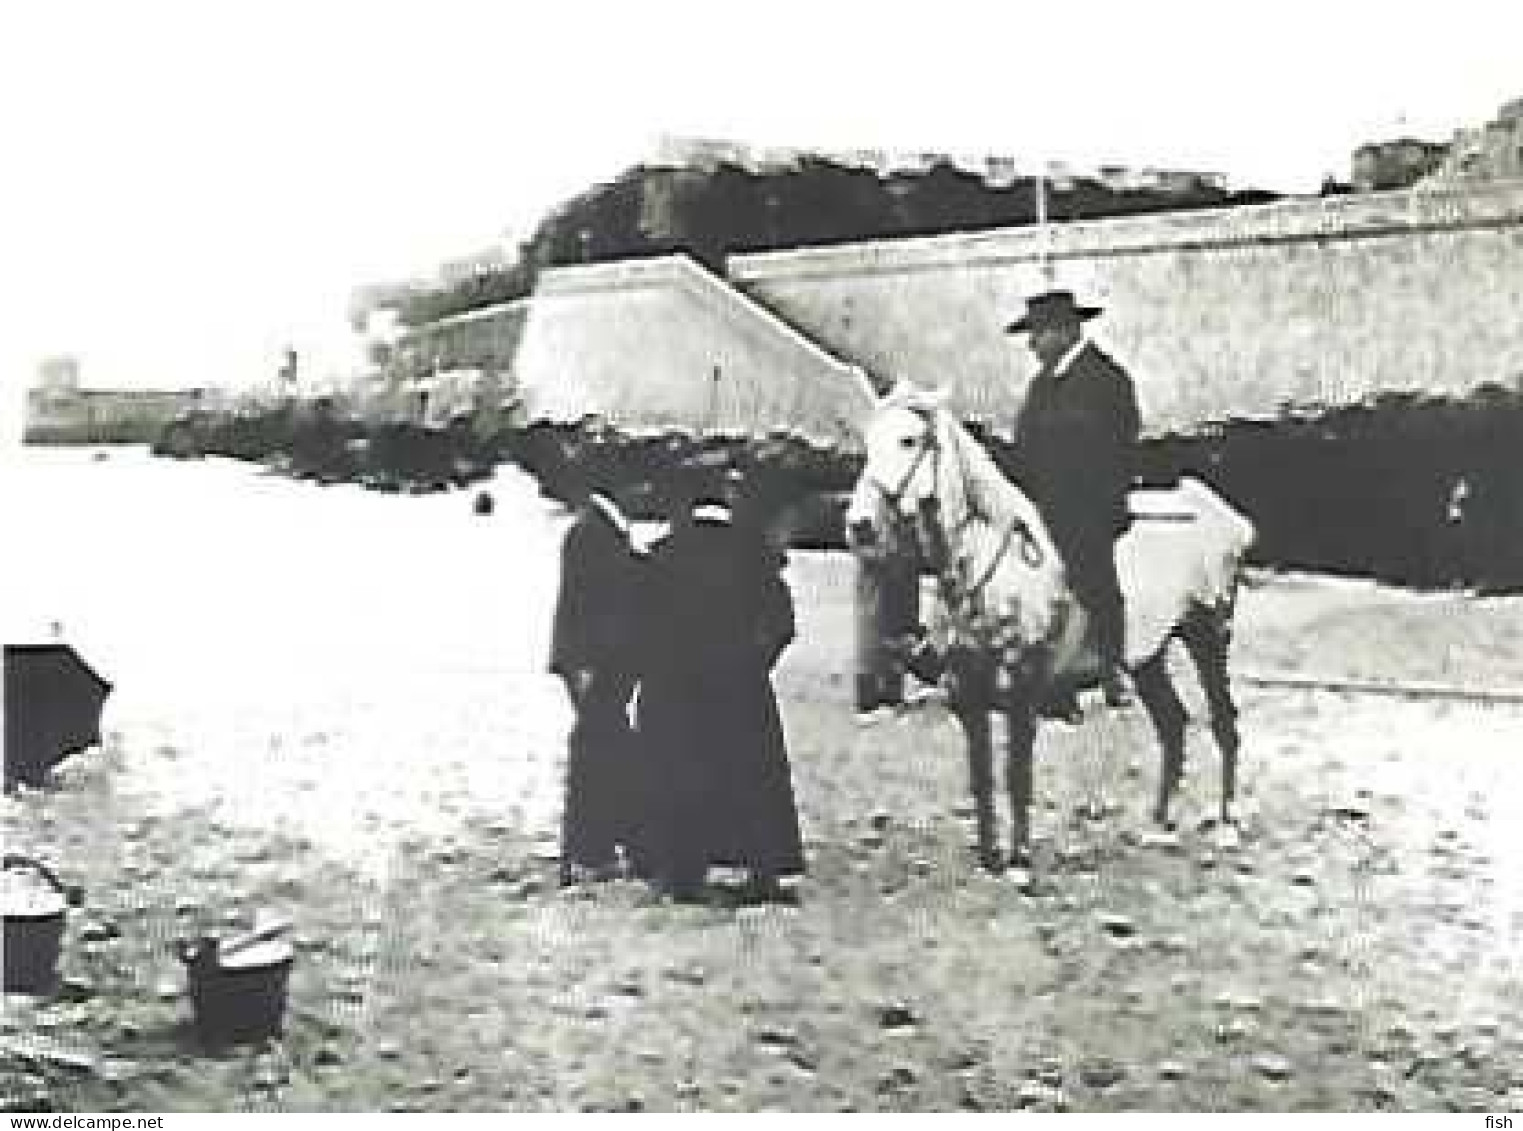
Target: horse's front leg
[
  {"x": 972, "y": 704},
  {"x": 1020, "y": 750},
  {"x": 975, "y": 725}
]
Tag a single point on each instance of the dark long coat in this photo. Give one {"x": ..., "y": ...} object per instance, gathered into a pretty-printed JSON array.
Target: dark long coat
[
  {"x": 721, "y": 615},
  {"x": 1075, "y": 443},
  {"x": 887, "y": 596},
  {"x": 597, "y": 630}
]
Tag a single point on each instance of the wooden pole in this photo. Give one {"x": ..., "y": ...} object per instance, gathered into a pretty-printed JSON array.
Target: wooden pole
[{"x": 1044, "y": 231}]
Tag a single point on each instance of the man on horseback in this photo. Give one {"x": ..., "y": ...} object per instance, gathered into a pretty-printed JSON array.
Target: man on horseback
[{"x": 1075, "y": 437}]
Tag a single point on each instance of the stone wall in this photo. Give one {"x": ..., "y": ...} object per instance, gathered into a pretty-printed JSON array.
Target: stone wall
[
  {"x": 1218, "y": 314},
  {"x": 104, "y": 416},
  {"x": 657, "y": 344}
]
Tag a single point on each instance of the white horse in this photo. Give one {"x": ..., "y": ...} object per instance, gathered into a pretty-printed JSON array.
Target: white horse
[{"x": 1016, "y": 636}]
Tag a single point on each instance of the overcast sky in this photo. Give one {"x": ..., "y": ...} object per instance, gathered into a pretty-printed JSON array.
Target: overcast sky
[{"x": 189, "y": 187}]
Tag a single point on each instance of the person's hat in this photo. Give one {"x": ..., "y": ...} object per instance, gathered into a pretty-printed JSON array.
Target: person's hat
[{"x": 1049, "y": 307}]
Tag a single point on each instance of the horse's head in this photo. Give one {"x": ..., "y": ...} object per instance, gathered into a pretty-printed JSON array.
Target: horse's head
[
  {"x": 971, "y": 523},
  {"x": 903, "y": 455}
]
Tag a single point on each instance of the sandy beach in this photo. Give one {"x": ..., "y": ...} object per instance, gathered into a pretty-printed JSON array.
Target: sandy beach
[{"x": 329, "y": 704}]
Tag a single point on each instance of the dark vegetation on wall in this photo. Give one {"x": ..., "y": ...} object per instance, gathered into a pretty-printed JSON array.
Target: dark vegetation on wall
[
  {"x": 650, "y": 211},
  {"x": 1417, "y": 491},
  {"x": 1409, "y": 489},
  {"x": 93, "y": 432},
  {"x": 317, "y": 440},
  {"x": 1414, "y": 490}
]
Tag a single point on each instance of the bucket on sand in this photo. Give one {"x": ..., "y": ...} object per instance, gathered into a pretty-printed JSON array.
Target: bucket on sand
[
  {"x": 34, "y": 902},
  {"x": 238, "y": 986}
]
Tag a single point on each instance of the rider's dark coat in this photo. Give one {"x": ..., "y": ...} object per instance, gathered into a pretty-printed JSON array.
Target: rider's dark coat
[{"x": 1074, "y": 442}]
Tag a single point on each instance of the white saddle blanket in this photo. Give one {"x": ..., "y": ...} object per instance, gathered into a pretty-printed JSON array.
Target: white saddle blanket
[{"x": 1185, "y": 546}]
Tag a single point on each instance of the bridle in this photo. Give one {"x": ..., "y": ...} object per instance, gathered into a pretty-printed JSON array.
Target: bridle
[{"x": 929, "y": 447}]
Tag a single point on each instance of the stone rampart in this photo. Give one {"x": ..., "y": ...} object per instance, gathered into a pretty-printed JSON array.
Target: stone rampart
[
  {"x": 1218, "y": 314},
  {"x": 660, "y": 343}
]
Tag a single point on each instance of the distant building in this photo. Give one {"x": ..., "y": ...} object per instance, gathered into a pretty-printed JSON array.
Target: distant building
[
  {"x": 1178, "y": 182},
  {"x": 104, "y": 416},
  {"x": 486, "y": 338},
  {"x": 58, "y": 375},
  {"x": 459, "y": 365},
  {"x": 1492, "y": 152},
  {"x": 483, "y": 262},
  {"x": 699, "y": 155},
  {"x": 1396, "y": 164}
]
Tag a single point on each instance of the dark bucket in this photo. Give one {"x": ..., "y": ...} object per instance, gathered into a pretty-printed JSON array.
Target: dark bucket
[
  {"x": 238, "y": 985},
  {"x": 240, "y": 1004},
  {"x": 33, "y": 937}
]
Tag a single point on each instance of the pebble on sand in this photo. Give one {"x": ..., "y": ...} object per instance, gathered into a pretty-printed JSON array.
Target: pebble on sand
[
  {"x": 1102, "y": 1073},
  {"x": 1034, "y": 1094},
  {"x": 1324, "y": 1007},
  {"x": 1117, "y": 926},
  {"x": 896, "y": 1015},
  {"x": 99, "y": 930},
  {"x": 328, "y": 1056},
  {"x": 1272, "y": 1066}
]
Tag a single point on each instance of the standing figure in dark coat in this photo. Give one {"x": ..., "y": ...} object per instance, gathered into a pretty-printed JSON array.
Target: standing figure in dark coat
[
  {"x": 594, "y": 650},
  {"x": 888, "y": 580},
  {"x": 1075, "y": 445},
  {"x": 721, "y": 616},
  {"x": 887, "y": 597}
]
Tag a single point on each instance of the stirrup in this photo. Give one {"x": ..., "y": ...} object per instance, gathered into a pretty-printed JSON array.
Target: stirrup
[{"x": 1114, "y": 685}]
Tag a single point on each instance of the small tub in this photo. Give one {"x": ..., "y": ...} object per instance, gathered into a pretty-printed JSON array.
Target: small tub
[{"x": 35, "y": 905}]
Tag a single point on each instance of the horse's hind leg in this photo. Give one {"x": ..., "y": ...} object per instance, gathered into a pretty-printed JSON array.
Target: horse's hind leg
[
  {"x": 1207, "y": 634},
  {"x": 1168, "y": 714}
]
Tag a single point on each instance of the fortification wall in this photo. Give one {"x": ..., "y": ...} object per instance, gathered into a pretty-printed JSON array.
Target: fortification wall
[
  {"x": 1218, "y": 314},
  {"x": 655, "y": 344}
]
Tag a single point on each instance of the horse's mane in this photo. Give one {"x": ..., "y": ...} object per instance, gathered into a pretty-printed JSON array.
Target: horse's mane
[
  {"x": 989, "y": 492},
  {"x": 986, "y": 483}
]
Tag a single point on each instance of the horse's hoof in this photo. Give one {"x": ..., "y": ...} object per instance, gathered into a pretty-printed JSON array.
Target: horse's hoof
[
  {"x": 989, "y": 860},
  {"x": 1019, "y": 873},
  {"x": 1020, "y": 879},
  {"x": 1165, "y": 838},
  {"x": 1227, "y": 837}
]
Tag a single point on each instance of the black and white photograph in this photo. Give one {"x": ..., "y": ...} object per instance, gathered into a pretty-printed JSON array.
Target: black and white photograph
[{"x": 802, "y": 557}]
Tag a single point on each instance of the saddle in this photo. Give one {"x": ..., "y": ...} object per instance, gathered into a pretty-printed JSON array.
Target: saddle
[{"x": 921, "y": 658}]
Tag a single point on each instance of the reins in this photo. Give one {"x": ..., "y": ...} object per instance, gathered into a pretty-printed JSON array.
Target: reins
[{"x": 962, "y": 598}]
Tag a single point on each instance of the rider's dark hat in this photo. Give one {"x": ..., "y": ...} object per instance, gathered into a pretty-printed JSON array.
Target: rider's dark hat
[{"x": 1049, "y": 307}]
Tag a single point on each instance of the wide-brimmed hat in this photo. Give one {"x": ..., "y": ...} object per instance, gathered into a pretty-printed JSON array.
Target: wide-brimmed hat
[{"x": 1049, "y": 307}]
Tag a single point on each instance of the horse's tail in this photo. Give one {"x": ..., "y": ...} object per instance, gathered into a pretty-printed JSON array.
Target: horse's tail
[
  {"x": 1231, "y": 535},
  {"x": 1235, "y": 526}
]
